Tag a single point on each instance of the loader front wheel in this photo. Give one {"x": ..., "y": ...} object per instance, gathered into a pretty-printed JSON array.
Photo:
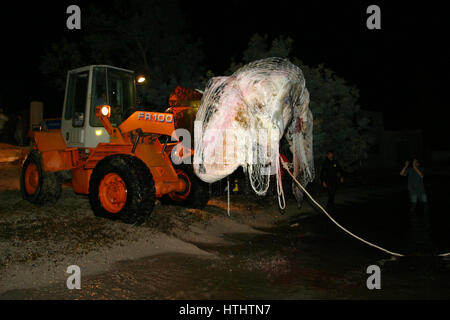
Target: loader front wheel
[
  {"x": 122, "y": 188},
  {"x": 195, "y": 193},
  {"x": 37, "y": 186}
]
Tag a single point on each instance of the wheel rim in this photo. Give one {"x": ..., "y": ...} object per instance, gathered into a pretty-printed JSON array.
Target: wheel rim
[
  {"x": 182, "y": 195},
  {"x": 31, "y": 178},
  {"x": 112, "y": 192}
]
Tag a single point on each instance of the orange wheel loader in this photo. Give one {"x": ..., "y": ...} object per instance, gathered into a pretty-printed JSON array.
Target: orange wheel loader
[{"x": 120, "y": 157}]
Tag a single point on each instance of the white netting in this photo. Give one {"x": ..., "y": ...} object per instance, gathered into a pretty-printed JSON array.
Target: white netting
[{"x": 242, "y": 118}]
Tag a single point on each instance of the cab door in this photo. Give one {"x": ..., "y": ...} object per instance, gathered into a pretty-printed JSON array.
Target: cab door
[{"x": 73, "y": 123}]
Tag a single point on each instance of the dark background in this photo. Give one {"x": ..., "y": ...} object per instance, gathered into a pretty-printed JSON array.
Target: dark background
[{"x": 400, "y": 70}]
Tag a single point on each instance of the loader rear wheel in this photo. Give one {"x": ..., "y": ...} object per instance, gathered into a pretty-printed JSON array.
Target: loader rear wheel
[
  {"x": 122, "y": 188},
  {"x": 194, "y": 195},
  {"x": 37, "y": 186}
]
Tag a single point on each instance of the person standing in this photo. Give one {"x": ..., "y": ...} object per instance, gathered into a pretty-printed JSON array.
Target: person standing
[
  {"x": 416, "y": 188},
  {"x": 331, "y": 175}
]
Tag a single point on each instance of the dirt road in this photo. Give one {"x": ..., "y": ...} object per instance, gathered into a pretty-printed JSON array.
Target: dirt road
[{"x": 185, "y": 253}]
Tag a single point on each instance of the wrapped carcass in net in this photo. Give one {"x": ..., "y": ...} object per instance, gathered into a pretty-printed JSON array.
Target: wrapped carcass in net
[{"x": 242, "y": 118}]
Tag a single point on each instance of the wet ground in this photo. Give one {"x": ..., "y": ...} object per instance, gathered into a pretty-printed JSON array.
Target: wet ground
[{"x": 305, "y": 258}]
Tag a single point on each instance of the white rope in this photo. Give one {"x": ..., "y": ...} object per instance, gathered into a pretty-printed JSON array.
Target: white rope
[
  {"x": 331, "y": 218},
  {"x": 280, "y": 191},
  {"x": 286, "y": 167}
]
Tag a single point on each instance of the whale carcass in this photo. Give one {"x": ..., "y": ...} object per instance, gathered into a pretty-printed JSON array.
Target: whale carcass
[{"x": 242, "y": 117}]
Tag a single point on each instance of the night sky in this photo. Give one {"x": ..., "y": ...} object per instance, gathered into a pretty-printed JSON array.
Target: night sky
[{"x": 401, "y": 70}]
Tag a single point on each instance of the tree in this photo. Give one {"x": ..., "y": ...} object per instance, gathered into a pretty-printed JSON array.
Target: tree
[
  {"x": 258, "y": 48},
  {"x": 149, "y": 37},
  {"x": 58, "y": 59},
  {"x": 338, "y": 124}
]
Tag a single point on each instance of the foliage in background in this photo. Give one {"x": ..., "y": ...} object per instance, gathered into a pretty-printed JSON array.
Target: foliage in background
[
  {"x": 152, "y": 38},
  {"x": 338, "y": 123},
  {"x": 149, "y": 37}
]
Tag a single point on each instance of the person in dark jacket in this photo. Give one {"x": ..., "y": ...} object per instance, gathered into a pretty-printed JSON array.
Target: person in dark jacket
[
  {"x": 416, "y": 187},
  {"x": 331, "y": 175}
]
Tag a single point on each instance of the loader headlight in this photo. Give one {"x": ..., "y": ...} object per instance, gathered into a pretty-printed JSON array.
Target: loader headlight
[
  {"x": 98, "y": 132},
  {"x": 141, "y": 79},
  {"x": 106, "y": 111}
]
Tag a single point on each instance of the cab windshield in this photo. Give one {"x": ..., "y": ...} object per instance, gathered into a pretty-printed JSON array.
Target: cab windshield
[{"x": 114, "y": 88}]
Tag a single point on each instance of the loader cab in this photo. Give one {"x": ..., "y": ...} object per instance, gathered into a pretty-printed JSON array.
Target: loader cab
[{"x": 91, "y": 86}]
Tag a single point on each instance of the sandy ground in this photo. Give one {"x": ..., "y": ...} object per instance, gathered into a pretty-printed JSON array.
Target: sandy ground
[
  {"x": 37, "y": 244},
  {"x": 10, "y": 153}
]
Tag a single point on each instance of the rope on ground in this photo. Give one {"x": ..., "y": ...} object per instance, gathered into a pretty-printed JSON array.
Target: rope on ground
[
  {"x": 286, "y": 167},
  {"x": 334, "y": 221}
]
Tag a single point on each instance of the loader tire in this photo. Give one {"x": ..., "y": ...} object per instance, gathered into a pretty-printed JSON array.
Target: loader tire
[
  {"x": 196, "y": 193},
  {"x": 122, "y": 188},
  {"x": 37, "y": 186}
]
